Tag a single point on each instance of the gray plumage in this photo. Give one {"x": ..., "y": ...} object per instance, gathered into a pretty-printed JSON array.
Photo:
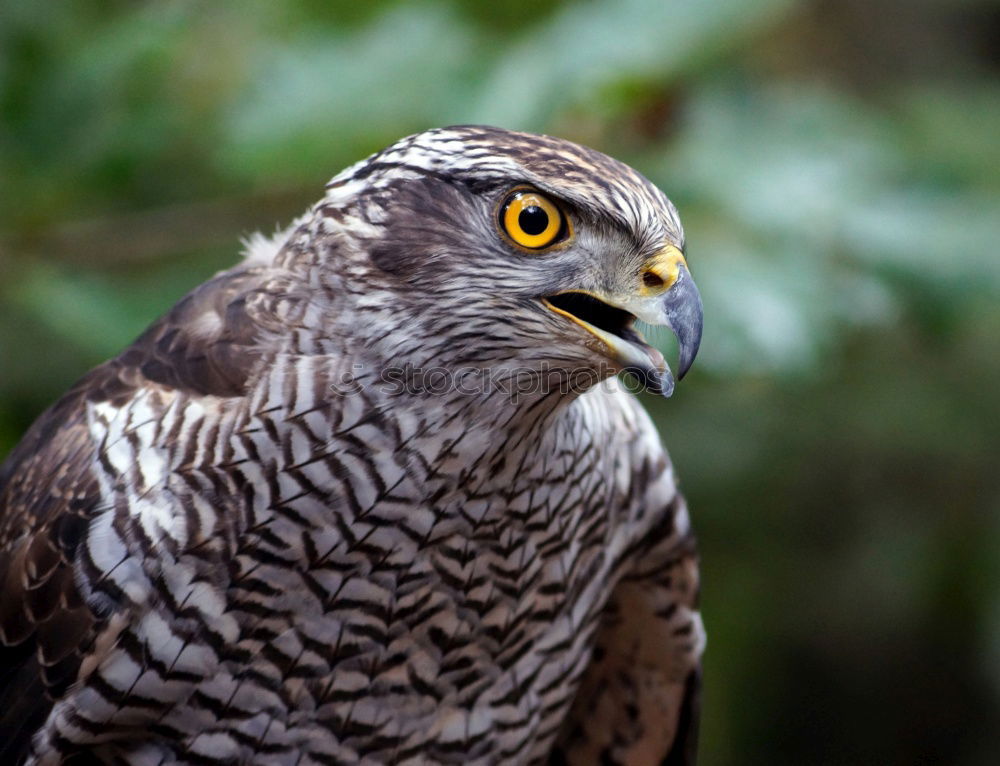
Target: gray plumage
[{"x": 342, "y": 504}]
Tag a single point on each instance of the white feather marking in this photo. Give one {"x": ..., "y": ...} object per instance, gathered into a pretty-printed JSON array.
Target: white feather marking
[
  {"x": 260, "y": 250},
  {"x": 105, "y": 547},
  {"x": 205, "y": 326},
  {"x": 215, "y": 745}
]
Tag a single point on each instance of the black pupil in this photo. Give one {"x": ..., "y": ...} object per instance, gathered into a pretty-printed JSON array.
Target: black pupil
[{"x": 533, "y": 220}]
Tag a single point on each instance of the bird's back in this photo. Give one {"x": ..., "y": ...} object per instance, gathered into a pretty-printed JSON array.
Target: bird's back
[{"x": 54, "y": 600}]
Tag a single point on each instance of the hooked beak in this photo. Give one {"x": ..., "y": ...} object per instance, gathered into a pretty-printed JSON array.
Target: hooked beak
[{"x": 667, "y": 296}]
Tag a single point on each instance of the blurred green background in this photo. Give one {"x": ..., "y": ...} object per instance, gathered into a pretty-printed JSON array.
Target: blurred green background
[{"x": 837, "y": 167}]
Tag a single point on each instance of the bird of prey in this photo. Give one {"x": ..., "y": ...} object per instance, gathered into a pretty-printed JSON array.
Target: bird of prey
[{"x": 377, "y": 493}]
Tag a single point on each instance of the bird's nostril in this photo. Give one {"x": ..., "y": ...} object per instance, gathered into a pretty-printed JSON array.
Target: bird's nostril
[{"x": 651, "y": 279}]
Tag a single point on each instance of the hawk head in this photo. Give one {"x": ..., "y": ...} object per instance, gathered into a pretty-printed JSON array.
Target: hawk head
[{"x": 479, "y": 247}]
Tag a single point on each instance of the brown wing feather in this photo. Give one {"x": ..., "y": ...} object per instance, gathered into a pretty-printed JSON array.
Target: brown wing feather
[
  {"x": 206, "y": 345},
  {"x": 685, "y": 748},
  {"x": 46, "y": 495},
  {"x": 638, "y": 704}
]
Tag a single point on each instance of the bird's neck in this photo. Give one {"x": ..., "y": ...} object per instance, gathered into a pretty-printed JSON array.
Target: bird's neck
[{"x": 390, "y": 406}]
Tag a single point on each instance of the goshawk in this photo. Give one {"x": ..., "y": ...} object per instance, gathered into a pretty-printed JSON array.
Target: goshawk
[{"x": 377, "y": 493}]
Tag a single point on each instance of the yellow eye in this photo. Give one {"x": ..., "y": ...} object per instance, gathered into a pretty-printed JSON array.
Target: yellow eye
[{"x": 531, "y": 219}]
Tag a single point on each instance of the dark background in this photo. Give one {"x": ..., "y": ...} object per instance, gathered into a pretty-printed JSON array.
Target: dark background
[{"x": 836, "y": 167}]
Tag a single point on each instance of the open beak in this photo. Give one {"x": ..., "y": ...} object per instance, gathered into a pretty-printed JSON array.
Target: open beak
[{"x": 666, "y": 296}]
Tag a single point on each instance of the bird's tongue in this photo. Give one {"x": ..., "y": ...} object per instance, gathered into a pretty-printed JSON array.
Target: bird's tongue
[{"x": 656, "y": 357}]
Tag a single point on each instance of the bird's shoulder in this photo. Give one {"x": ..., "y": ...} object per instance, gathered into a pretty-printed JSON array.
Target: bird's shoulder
[{"x": 206, "y": 345}]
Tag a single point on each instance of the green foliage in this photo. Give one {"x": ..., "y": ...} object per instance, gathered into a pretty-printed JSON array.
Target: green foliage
[{"x": 835, "y": 167}]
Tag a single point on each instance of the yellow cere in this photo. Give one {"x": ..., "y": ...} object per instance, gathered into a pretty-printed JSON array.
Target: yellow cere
[
  {"x": 661, "y": 271},
  {"x": 531, "y": 220}
]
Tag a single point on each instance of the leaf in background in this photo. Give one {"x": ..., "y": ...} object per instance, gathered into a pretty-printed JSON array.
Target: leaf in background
[
  {"x": 84, "y": 309},
  {"x": 800, "y": 204},
  {"x": 327, "y": 100},
  {"x": 586, "y": 47}
]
